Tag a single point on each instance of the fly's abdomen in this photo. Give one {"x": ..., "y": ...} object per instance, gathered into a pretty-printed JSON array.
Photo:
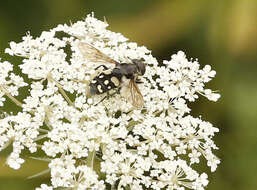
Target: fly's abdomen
[{"x": 105, "y": 82}]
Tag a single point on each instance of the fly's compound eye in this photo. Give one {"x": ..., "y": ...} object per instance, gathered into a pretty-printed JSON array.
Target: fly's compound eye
[{"x": 140, "y": 66}]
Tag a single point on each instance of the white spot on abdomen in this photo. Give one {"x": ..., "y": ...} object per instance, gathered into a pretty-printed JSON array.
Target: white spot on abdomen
[
  {"x": 99, "y": 88},
  {"x": 115, "y": 81},
  {"x": 106, "y": 82}
]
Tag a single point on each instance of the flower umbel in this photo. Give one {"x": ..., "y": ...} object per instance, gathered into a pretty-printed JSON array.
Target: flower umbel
[{"x": 107, "y": 144}]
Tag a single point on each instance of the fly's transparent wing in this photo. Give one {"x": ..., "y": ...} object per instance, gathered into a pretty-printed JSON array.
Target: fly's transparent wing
[
  {"x": 136, "y": 99},
  {"x": 94, "y": 55}
]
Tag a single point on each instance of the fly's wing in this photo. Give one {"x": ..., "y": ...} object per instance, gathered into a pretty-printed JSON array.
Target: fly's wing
[
  {"x": 94, "y": 55},
  {"x": 136, "y": 99}
]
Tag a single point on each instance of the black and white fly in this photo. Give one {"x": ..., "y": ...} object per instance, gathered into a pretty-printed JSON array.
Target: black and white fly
[{"x": 114, "y": 78}]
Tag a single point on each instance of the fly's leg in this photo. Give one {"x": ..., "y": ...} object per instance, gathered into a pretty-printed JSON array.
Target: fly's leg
[
  {"x": 138, "y": 81},
  {"x": 105, "y": 68},
  {"x": 109, "y": 96}
]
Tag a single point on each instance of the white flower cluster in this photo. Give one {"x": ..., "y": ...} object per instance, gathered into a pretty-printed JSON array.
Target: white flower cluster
[{"x": 106, "y": 144}]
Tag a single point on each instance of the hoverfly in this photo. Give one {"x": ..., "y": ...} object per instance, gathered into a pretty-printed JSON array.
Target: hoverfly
[{"x": 114, "y": 79}]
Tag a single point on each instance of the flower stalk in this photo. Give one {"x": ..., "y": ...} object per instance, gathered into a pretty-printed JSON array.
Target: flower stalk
[{"x": 17, "y": 102}]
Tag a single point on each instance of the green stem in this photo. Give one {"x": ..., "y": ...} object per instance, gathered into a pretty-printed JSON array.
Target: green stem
[
  {"x": 40, "y": 137},
  {"x": 61, "y": 90},
  {"x": 91, "y": 159},
  {"x": 8, "y": 94},
  {"x": 43, "y": 130}
]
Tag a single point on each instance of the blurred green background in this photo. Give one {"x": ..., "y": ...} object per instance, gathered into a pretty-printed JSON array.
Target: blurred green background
[{"x": 221, "y": 33}]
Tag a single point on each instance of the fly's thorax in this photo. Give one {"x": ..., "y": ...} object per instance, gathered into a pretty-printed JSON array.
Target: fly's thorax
[
  {"x": 140, "y": 66},
  {"x": 128, "y": 70}
]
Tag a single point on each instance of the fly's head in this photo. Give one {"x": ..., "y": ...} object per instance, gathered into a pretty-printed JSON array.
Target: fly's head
[{"x": 140, "y": 66}]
